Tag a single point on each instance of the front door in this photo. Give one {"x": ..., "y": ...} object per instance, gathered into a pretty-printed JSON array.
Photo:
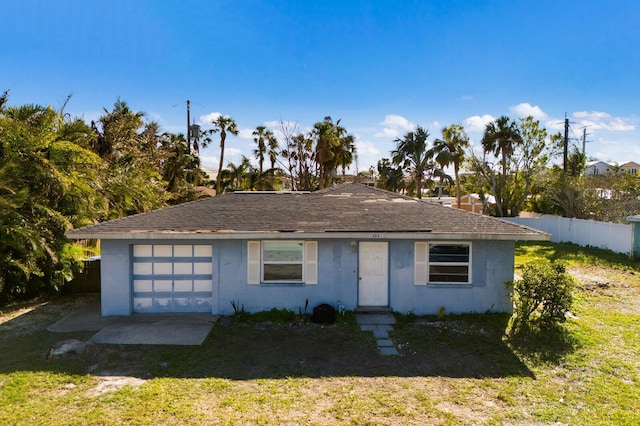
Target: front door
[{"x": 373, "y": 276}]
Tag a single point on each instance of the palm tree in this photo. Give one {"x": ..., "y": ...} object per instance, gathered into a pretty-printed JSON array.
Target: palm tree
[
  {"x": 261, "y": 150},
  {"x": 500, "y": 137},
  {"x": 272, "y": 143},
  {"x": 239, "y": 172},
  {"x": 346, "y": 150},
  {"x": 413, "y": 155},
  {"x": 451, "y": 150},
  {"x": 327, "y": 140},
  {"x": 119, "y": 131},
  {"x": 223, "y": 124}
]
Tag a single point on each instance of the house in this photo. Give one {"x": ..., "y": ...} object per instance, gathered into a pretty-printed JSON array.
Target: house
[
  {"x": 597, "y": 168},
  {"x": 630, "y": 167},
  {"x": 473, "y": 203},
  {"x": 351, "y": 245}
]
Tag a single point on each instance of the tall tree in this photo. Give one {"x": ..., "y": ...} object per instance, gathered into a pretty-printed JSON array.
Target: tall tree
[
  {"x": 272, "y": 144},
  {"x": 519, "y": 153},
  {"x": 451, "y": 150},
  {"x": 238, "y": 173},
  {"x": 117, "y": 131},
  {"x": 223, "y": 124},
  {"x": 501, "y": 137},
  {"x": 48, "y": 184},
  {"x": 334, "y": 148},
  {"x": 413, "y": 154},
  {"x": 326, "y": 141},
  {"x": 259, "y": 137},
  {"x": 390, "y": 178}
]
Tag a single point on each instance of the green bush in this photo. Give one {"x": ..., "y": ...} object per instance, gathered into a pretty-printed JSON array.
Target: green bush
[{"x": 542, "y": 297}]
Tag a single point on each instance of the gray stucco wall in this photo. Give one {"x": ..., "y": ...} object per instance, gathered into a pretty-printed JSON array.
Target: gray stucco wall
[
  {"x": 492, "y": 265},
  {"x": 337, "y": 275},
  {"x": 115, "y": 277}
]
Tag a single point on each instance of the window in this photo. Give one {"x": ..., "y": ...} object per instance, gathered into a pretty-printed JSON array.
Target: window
[
  {"x": 282, "y": 262},
  {"x": 442, "y": 263}
]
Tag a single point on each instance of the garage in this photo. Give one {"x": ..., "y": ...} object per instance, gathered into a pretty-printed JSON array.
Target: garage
[{"x": 172, "y": 278}]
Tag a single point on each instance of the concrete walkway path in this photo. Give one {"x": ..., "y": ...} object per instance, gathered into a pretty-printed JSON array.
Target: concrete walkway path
[{"x": 380, "y": 324}]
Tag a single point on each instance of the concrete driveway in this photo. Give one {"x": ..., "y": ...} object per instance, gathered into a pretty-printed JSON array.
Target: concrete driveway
[{"x": 138, "y": 329}]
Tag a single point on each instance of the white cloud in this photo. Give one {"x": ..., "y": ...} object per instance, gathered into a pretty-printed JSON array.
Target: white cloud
[
  {"x": 366, "y": 148},
  {"x": 245, "y": 133},
  {"x": 593, "y": 115},
  {"x": 387, "y": 133},
  {"x": 477, "y": 123},
  {"x": 466, "y": 98},
  {"x": 394, "y": 125},
  {"x": 232, "y": 151},
  {"x": 209, "y": 160},
  {"x": 525, "y": 109},
  {"x": 208, "y": 118},
  {"x": 598, "y": 120}
]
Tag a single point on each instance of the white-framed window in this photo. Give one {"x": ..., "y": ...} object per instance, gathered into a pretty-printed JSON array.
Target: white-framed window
[
  {"x": 282, "y": 262},
  {"x": 442, "y": 263}
]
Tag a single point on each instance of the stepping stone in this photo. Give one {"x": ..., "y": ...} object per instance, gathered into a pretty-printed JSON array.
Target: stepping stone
[
  {"x": 381, "y": 333},
  {"x": 375, "y": 319},
  {"x": 384, "y": 343},
  {"x": 389, "y": 351}
]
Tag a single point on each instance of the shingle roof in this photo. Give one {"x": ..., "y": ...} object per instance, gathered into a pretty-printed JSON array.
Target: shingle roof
[{"x": 343, "y": 209}]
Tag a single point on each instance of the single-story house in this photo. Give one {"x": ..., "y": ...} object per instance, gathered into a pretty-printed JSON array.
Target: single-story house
[
  {"x": 351, "y": 246},
  {"x": 473, "y": 203},
  {"x": 630, "y": 167},
  {"x": 596, "y": 168}
]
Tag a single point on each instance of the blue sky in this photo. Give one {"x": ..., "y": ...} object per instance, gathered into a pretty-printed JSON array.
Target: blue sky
[{"x": 382, "y": 67}]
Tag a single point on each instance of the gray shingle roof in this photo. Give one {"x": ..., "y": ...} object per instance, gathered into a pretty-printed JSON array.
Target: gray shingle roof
[{"x": 343, "y": 209}]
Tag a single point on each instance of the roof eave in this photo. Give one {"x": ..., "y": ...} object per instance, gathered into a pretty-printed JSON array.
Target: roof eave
[{"x": 277, "y": 235}]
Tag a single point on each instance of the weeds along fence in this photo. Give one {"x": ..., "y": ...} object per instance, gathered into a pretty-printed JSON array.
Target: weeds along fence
[{"x": 616, "y": 237}]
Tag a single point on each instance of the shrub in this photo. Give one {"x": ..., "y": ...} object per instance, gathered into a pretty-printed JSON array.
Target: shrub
[{"x": 542, "y": 297}]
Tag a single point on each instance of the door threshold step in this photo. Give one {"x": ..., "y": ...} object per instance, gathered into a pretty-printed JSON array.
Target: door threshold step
[{"x": 373, "y": 310}]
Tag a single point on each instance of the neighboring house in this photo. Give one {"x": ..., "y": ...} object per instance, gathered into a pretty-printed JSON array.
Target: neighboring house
[
  {"x": 350, "y": 245},
  {"x": 443, "y": 201},
  {"x": 472, "y": 202},
  {"x": 630, "y": 167},
  {"x": 597, "y": 168}
]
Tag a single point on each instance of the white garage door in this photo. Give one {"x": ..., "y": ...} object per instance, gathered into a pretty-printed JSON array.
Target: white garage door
[{"x": 172, "y": 278}]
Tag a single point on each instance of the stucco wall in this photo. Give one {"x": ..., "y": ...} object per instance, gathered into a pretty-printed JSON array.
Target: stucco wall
[
  {"x": 115, "y": 277},
  {"x": 337, "y": 280},
  {"x": 337, "y": 275},
  {"x": 492, "y": 265}
]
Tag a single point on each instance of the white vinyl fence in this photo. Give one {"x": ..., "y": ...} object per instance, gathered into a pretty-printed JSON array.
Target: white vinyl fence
[{"x": 616, "y": 237}]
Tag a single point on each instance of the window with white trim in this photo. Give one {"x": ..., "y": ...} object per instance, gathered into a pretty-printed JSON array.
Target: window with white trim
[
  {"x": 442, "y": 263},
  {"x": 282, "y": 262}
]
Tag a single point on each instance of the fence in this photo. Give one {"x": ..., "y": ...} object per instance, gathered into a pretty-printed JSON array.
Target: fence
[
  {"x": 88, "y": 281},
  {"x": 616, "y": 237}
]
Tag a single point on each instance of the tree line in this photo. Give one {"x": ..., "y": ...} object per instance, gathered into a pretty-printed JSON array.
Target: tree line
[
  {"x": 511, "y": 171},
  {"x": 59, "y": 172}
]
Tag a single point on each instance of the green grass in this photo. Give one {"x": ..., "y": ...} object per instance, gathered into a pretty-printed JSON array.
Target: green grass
[
  {"x": 574, "y": 255},
  {"x": 275, "y": 368}
]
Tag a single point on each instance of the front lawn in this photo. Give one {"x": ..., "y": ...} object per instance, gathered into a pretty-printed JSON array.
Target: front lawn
[{"x": 451, "y": 370}]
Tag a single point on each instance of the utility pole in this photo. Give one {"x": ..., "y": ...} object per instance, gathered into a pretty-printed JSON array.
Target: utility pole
[
  {"x": 188, "y": 124},
  {"x": 566, "y": 144},
  {"x": 189, "y": 164},
  {"x": 584, "y": 141}
]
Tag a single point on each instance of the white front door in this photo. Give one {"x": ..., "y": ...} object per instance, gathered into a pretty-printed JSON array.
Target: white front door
[{"x": 373, "y": 276}]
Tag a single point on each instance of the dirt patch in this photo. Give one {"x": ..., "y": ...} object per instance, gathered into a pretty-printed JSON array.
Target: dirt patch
[
  {"x": 114, "y": 383},
  {"x": 27, "y": 317},
  {"x": 617, "y": 289}
]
